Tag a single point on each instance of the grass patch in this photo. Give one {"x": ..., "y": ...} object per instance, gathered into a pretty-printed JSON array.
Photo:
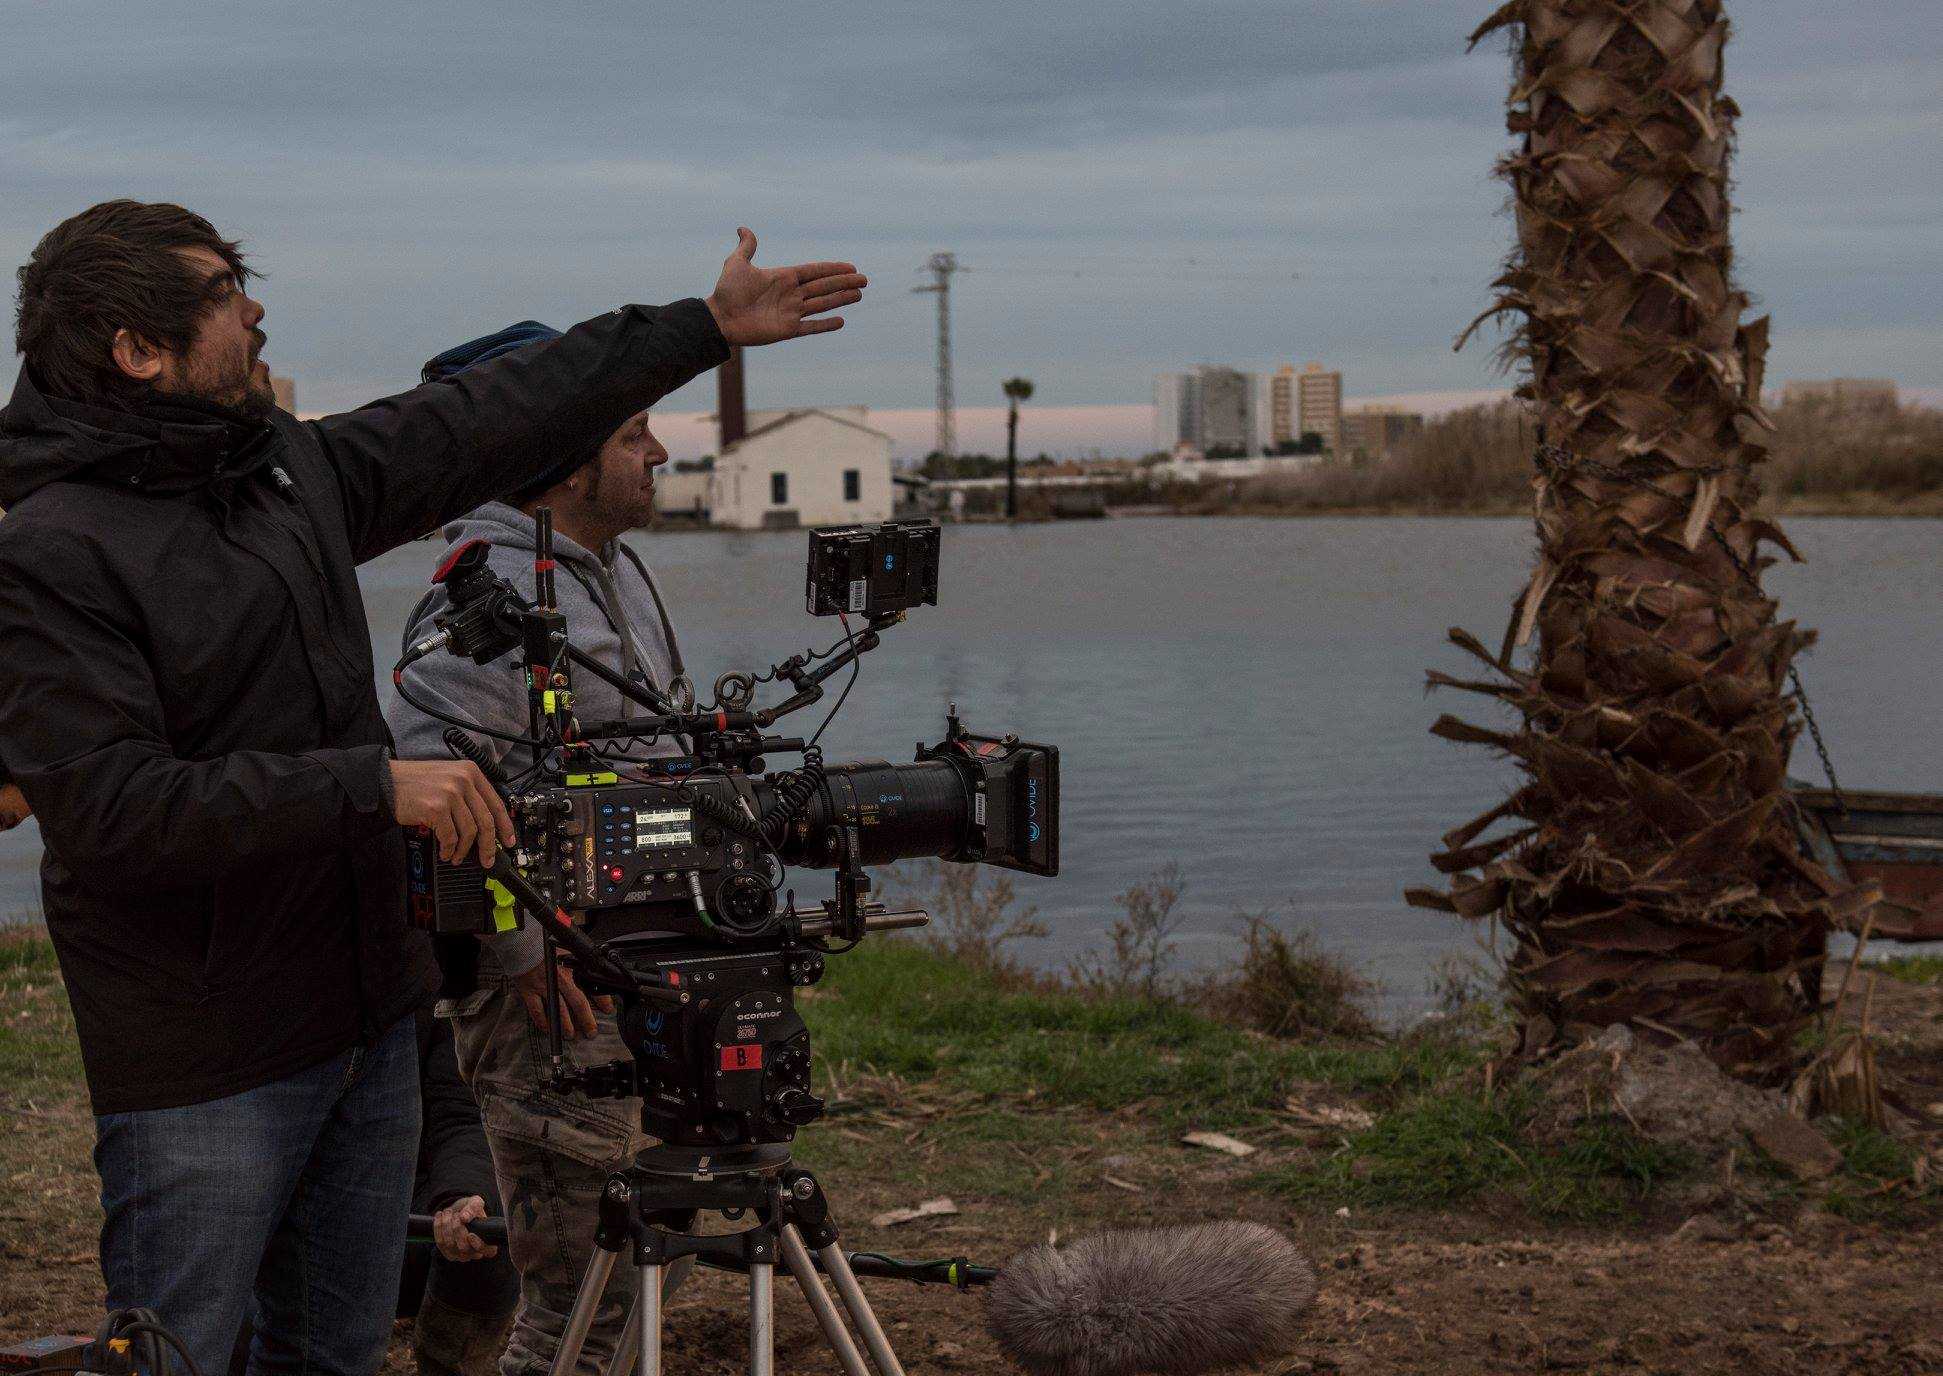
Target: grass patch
[
  {"x": 40, "y": 1061},
  {"x": 48, "y": 1191},
  {"x": 896, "y": 1008},
  {"x": 1911, "y": 969},
  {"x": 1879, "y": 1180},
  {"x": 1286, "y": 985},
  {"x": 1282, "y": 981},
  {"x": 1454, "y": 1144},
  {"x": 1606, "y": 1169}
]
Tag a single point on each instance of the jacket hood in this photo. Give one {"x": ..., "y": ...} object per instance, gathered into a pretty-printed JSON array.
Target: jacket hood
[
  {"x": 156, "y": 445},
  {"x": 507, "y": 527}
]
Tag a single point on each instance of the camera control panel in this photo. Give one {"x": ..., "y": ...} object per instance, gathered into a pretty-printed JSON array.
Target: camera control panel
[{"x": 639, "y": 844}]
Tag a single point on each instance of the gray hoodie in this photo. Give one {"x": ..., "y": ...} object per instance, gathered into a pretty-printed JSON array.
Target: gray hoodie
[{"x": 613, "y": 613}]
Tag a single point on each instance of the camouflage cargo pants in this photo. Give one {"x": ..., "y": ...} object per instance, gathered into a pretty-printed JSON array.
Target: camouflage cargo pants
[{"x": 552, "y": 1154}]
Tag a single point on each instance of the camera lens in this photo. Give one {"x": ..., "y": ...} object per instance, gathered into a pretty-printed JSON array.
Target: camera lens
[{"x": 900, "y": 811}]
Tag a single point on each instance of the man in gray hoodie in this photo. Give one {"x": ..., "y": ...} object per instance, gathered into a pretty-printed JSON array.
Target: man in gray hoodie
[{"x": 552, "y": 1153}]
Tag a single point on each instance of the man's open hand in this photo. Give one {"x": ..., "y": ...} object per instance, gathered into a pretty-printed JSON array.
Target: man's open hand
[
  {"x": 755, "y": 305},
  {"x": 13, "y": 807},
  {"x": 576, "y": 1010},
  {"x": 452, "y": 798}
]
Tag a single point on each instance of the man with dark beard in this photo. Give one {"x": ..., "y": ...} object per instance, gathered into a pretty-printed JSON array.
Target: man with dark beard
[{"x": 189, "y": 709}]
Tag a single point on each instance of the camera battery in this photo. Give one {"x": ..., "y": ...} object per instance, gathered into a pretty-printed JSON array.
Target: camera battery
[{"x": 449, "y": 899}]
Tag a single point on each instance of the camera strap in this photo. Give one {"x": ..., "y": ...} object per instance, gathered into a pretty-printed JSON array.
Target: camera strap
[
  {"x": 617, "y": 618},
  {"x": 660, "y": 607}
]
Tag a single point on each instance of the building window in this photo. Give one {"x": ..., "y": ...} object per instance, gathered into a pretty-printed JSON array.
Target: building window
[
  {"x": 779, "y": 489},
  {"x": 853, "y": 485}
]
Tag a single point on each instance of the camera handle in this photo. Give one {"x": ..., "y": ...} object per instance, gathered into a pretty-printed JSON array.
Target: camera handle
[
  {"x": 809, "y": 682},
  {"x": 795, "y": 670}
]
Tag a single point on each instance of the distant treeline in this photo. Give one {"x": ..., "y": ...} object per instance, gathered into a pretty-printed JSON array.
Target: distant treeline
[
  {"x": 1823, "y": 452},
  {"x": 940, "y": 466}
]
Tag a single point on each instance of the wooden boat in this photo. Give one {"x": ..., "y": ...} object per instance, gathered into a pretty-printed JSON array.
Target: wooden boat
[{"x": 1892, "y": 839}]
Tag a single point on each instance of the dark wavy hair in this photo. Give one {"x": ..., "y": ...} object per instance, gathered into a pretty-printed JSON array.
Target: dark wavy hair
[{"x": 115, "y": 266}]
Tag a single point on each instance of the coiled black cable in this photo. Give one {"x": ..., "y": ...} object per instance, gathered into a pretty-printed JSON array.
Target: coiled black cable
[
  {"x": 793, "y": 792},
  {"x": 465, "y": 747},
  {"x": 725, "y": 815}
]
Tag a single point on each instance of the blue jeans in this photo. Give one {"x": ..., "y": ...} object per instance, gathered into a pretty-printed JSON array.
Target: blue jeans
[{"x": 284, "y": 1204}]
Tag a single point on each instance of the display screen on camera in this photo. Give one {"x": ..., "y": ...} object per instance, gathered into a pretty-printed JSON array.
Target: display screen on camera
[{"x": 864, "y": 570}]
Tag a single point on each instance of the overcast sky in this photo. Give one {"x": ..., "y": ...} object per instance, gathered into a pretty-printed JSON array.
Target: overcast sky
[{"x": 1136, "y": 187}]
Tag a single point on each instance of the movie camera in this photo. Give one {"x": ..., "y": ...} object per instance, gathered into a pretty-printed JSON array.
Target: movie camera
[{"x": 662, "y": 876}]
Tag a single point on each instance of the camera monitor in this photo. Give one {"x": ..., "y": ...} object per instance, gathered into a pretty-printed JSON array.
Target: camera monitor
[{"x": 864, "y": 570}]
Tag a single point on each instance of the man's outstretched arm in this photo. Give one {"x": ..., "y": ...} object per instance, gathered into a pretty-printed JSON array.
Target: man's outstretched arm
[{"x": 409, "y": 462}]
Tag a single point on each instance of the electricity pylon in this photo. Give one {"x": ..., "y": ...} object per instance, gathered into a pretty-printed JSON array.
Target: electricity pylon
[{"x": 941, "y": 267}]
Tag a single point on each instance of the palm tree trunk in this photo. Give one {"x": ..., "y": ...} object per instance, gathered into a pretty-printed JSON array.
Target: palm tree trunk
[
  {"x": 1652, "y": 877},
  {"x": 1012, "y": 462}
]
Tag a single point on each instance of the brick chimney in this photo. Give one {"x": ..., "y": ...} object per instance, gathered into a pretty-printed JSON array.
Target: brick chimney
[{"x": 730, "y": 414}]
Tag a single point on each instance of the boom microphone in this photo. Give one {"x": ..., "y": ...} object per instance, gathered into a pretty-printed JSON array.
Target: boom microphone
[{"x": 1159, "y": 1301}]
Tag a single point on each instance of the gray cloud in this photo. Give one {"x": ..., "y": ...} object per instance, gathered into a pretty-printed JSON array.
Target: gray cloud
[{"x": 1136, "y": 186}]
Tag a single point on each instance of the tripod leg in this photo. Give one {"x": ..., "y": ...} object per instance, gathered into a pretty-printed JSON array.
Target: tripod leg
[
  {"x": 672, "y": 1276},
  {"x": 592, "y": 1282},
  {"x": 762, "y": 1319},
  {"x": 647, "y": 1313},
  {"x": 797, "y": 1257},
  {"x": 852, "y": 1295}
]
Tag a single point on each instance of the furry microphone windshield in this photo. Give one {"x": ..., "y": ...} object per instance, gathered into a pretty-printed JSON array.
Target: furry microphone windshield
[{"x": 1155, "y": 1302}]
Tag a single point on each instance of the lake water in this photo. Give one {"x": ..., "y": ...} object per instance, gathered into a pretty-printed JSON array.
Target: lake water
[{"x": 1244, "y": 697}]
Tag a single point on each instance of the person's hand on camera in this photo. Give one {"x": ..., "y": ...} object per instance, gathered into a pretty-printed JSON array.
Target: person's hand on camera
[
  {"x": 452, "y": 798},
  {"x": 455, "y": 1241},
  {"x": 576, "y": 1009},
  {"x": 755, "y": 305},
  {"x": 14, "y": 808}
]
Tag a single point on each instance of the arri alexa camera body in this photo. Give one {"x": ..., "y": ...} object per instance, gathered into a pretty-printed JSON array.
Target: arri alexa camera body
[{"x": 662, "y": 878}]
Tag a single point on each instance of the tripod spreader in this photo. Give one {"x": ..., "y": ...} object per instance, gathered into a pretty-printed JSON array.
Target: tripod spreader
[{"x": 953, "y": 1271}]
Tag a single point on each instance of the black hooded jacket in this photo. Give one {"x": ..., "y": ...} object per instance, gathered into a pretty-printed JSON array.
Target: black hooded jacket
[{"x": 187, "y": 695}]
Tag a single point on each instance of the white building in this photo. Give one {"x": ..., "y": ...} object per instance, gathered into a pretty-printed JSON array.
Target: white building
[
  {"x": 1172, "y": 428},
  {"x": 1211, "y": 408},
  {"x": 807, "y": 467}
]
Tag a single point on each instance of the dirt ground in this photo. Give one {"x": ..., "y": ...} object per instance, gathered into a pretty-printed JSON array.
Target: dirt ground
[{"x": 1449, "y": 1293}]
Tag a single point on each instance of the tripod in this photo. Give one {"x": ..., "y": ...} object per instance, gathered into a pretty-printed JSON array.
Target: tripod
[{"x": 664, "y": 1184}]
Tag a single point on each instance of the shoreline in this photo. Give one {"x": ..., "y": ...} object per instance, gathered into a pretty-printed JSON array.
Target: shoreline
[{"x": 1928, "y": 507}]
